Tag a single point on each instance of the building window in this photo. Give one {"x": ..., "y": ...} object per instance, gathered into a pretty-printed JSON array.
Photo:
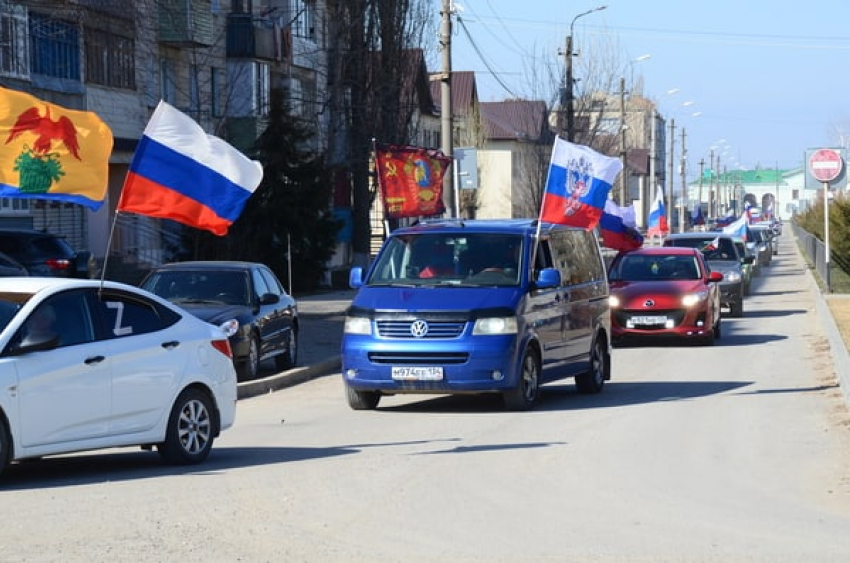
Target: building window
[
  {"x": 110, "y": 59},
  {"x": 262, "y": 89},
  {"x": 302, "y": 15},
  {"x": 216, "y": 76},
  {"x": 13, "y": 46},
  {"x": 167, "y": 86},
  {"x": 194, "y": 89},
  {"x": 54, "y": 47}
]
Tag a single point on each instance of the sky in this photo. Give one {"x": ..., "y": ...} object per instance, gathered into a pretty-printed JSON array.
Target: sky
[{"x": 758, "y": 82}]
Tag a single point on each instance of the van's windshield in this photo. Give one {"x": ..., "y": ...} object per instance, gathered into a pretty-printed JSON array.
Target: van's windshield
[{"x": 463, "y": 260}]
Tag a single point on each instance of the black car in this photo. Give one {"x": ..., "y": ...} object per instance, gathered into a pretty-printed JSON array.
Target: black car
[
  {"x": 45, "y": 254},
  {"x": 11, "y": 267},
  {"x": 245, "y": 298}
]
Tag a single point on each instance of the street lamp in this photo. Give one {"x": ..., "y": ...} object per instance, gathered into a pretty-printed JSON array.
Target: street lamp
[{"x": 568, "y": 78}]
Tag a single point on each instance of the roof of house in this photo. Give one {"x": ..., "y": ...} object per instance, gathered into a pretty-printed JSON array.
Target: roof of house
[
  {"x": 463, "y": 88},
  {"x": 514, "y": 119}
]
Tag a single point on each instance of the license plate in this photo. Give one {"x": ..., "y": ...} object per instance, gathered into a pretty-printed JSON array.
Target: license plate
[
  {"x": 648, "y": 320},
  {"x": 408, "y": 373}
]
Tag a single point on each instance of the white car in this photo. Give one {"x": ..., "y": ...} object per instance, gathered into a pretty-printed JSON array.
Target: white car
[{"x": 88, "y": 364}]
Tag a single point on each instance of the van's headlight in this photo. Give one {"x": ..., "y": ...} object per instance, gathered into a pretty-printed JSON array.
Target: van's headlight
[
  {"x": 357, "y": 325},
  {"x": 692, "y": 299},
  {"x": 495, "y": 325}
]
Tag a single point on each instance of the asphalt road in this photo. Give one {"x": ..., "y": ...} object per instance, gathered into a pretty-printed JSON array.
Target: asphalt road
[{"x": 734, "y": 453}]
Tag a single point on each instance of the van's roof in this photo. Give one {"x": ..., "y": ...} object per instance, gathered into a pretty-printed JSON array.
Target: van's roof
[{"x": 501, "y": 226}]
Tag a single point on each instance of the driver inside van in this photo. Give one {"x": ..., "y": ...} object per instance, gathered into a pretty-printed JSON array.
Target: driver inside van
[{"x": 441, "y": 262}]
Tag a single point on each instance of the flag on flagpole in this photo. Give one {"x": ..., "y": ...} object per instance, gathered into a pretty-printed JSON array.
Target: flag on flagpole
[
  {"x": 657, "y": 225},
  {"x": 411, "y": 180},
  {"x": 577, "y": 185},
  {"x": 179, "y": 172},
  {"x": 50, "y": 152},
  {"x": 737, "y": 227},
  {"x": 713, "y": 244},
  {"x": 696, "y": 214},
  {"x": 617, "y": 234}
]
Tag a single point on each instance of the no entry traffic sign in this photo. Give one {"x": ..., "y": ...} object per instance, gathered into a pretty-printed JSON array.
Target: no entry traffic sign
[{"x": 825, "y": 164}]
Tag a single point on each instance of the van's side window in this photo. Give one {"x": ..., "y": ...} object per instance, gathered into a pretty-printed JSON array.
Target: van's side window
[{"x": 577, "y": 256}]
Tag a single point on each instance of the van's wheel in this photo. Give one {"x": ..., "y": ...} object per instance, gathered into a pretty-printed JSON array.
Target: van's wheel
[
  {"x": 191, "y": 429},
  {"x": 362, "y": 400},
  {"x": 593, "y": 379},
  {"x": 5, "y": 446},
  {"x": 524, "y": 395}
]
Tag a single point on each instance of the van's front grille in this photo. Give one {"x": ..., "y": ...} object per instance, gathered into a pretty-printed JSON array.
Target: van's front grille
[
  {"x": 418, "y": 358},
  {"x": 405, "y": 329}
]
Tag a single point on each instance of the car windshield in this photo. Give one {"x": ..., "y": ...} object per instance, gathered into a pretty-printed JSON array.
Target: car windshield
[
  {"x": 200, "y": 286},
  {"x": 463, "y": 260},
  {"x": 712, "y": 247},
  {"x": 635, "y": 267}
]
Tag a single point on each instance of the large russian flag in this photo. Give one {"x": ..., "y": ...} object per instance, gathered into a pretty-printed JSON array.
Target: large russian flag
[
  {"x": 180, "y": 172},
  {"x": 657, "y": 225},
  {"x": 577, "y": 185}
]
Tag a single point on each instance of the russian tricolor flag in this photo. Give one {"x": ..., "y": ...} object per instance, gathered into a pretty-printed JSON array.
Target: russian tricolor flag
[
  {"x": 180, "y": 172},
  {"x": 577, "y": 185},
  {"x": 616, "y": 231}
]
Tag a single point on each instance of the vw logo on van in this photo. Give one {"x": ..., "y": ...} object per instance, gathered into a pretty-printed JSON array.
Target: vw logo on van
[{"x": 419, "y": 328}]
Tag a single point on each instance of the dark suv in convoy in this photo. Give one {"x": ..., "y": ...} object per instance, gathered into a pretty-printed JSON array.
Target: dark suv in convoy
[
  {"x": 45, "y": 254},
  {"x": 721, "y": 254}
]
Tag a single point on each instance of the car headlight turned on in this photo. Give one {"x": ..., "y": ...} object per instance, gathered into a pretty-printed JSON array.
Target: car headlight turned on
[
  {"x": 613, "y": 301},
  {"x": 357, "y": 325},
  {"x": 732, "y": 276},
  {"x": 230, "y": 327},
  {"x": 495, "y": 325},
  {"x": 692, "y": 299}
]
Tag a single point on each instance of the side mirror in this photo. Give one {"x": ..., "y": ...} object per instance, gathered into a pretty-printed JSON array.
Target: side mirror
[
  {"x": 715, "y": 276},
  {"x": 355, "y": 277},
  {"x": 34, "y": 344},
  {"x": 269, "y": 299},
  {"x": 548, "y": 277}
]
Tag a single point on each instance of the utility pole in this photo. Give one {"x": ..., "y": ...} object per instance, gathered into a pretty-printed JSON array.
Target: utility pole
[
  {"x": 701, "y": 168},
  {"x": 683, "y": 207},
  {"x": 567, "y": 99},
  {"x": 625, "y": 172},
  {"x": 446, "y": 105},
  {"x": 653, "y": 156},
  {"x": 671, "y": 179}
]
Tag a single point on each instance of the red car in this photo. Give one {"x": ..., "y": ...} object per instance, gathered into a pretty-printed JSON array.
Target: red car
[{"x": 664, "y": 291}]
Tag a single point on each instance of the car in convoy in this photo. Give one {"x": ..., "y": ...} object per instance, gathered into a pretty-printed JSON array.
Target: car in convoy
[
  {"x": 721, "y": 254},
  {"x": 763, "y": 233},
  {"x": 478, "y": 306},
  {"x": 245, "y": 298},
  {"x": 87, "y": 365},
  {"x": 662, "y": 292},
  {"x": 45, "y": 254},
  {"x": 748, "y": 267}
]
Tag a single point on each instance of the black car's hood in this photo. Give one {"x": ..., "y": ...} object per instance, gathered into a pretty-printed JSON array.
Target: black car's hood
[{"x": 215, "y": 313}]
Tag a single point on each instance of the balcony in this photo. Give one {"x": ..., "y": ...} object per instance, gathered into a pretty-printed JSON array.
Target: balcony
[
  {"x": 185, "y": 23},
  {"x": 248, "y": 41}
]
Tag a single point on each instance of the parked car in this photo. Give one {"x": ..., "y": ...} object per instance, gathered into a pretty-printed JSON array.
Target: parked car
[
  {"x": 86, "y": 365},
  {"x": 45, "y": 254},
  {"x": 245, "y": 298},
  {"x": 719, "y": 251},
  {"x": 493, "y": 322},
  {"x": 11, "y": 267},
  {"x": 664, "y": 292}
]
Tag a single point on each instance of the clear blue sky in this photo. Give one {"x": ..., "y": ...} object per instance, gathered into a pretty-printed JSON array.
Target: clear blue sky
[{"x": 769, "y": 78}]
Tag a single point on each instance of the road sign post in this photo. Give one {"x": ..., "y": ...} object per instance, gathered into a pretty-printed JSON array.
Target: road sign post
[{"x": 826, "y": 165}]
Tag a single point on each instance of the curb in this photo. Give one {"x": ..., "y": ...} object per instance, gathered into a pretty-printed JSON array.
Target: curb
[{"x": 288, "y": 378}]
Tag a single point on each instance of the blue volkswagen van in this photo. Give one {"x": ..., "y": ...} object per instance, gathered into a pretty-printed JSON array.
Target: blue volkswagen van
[{"x": 478, "y": 306}]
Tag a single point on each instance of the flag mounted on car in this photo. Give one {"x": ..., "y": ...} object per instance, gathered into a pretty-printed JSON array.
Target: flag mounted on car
[
  {"x": 577, "y": 185},
  {"x": 618, "y": 233},
  {"x": 51, "y": 152},
  {"x": 179, "y": 172},
  {"x": 410, "y": 180}
]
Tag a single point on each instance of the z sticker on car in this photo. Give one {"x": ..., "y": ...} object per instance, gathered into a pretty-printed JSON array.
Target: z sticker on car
[{"x": 119, "y": 330}]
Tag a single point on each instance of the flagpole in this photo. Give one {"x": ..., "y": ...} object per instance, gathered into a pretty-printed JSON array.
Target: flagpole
[
  {"x": 542, "y": 202},
  {"x": 108, "y": 249}
]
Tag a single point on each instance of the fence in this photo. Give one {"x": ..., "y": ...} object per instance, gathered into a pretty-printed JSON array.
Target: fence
[{"x": 815, "y": 252}]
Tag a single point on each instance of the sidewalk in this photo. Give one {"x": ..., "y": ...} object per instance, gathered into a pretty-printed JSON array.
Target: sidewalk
[{"x": 322, "y": 316}]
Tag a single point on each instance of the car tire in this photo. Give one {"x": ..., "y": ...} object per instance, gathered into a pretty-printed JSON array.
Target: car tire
[
  {"x": 289, "y": 359},
  {"x": 249, "y": 367},
  {"x": 717, "y": 331},
  {"x": 362, "y": 400},
  {"x": 191, "y": 429},
  {"x": 525, "y": 394},
  {"x": 593, "y": 380},
  {"x": 5, "y": 445},
  {"x": 737, "y": 308}
]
